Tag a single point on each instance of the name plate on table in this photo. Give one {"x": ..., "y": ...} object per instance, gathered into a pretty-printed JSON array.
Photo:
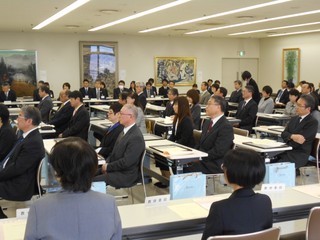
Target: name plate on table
[
  {"x": 265, "y": 144},
  {"x": 172, "y": 150}
]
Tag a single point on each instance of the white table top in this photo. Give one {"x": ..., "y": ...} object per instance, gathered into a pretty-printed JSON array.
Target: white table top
[
  {"x": 194, "y": 154},
  {"x": 166, "y": 122},
  {"x": 275, "y": 116},
  {"x": 270, "y": 129},
  {"x": 155, "y": 107},
  {"x": 103, "y": 108},
  {"x": 239, "y": 140}
]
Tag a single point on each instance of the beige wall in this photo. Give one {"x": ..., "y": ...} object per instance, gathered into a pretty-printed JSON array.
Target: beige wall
[
  {"x": 58, "y": 54},
  {"x": 271, "y": 58}
]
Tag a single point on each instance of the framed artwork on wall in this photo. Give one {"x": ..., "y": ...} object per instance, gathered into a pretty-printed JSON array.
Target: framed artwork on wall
[
  {"x": 18, "y": 68},
  {"x": 291, "y": 65},
  {"x": 99, "y": 60},
  {"x": 181, "y": 70}
]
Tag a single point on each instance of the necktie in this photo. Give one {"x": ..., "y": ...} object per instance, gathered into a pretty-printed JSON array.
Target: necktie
[
  {"x": 119, "y": 137},
  {"x": 148, "y": 93},
  {"x": 279, "y": 96},
  {"x": 98, "y": 93},
  {"x": 210, "y": 126},
  {"x": 243, "y": 105},
  {"x": 7, "y": 95},
  {"x": 86, "y": 90},
  {"x": 6, "y": 159}
]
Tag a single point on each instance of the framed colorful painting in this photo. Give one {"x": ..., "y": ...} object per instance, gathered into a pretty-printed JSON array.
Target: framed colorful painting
[{"x": 181, "y": 70}]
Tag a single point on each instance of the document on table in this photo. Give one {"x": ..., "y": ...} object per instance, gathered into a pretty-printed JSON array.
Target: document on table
[
  {"x": 265, "y": 143},
  {"x": 207, "y": 201},
  {"x": 313, "y": 189},
  {"x": 12, "y": 229},
  {"x": 172, "y": 150},
  {"x": 189, "y": 210}
]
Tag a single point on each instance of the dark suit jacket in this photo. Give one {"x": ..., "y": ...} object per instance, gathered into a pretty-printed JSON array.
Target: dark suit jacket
[
  {"x": 169, "y": 110},
  {"x": 196, "y": 115},
  {"x": 116, "y": 92},
  {"x": 152, "y": 92},
  {"x": 216, "y": 143},
  {"x": 184, "y": 133},
  {"x": 7, "y": 140},
  {"x": 78, "y": 125},
  {"x": 316, "y": 99},
  {"x": 256, "y": 93},
  {"x": 103, "y": 93},
  {"x": 83, "y": 92},
  {"x": 236, "y": 96},
  {"x": 284, "y": 97},
  {"x": 45, "y": 107},
  {"x": 11, "y": 96},
  {"x": 61, "y": 118},
  {"x": 243, "y": 212},
  {"x": 109, "y": 139},
  {"x": 163, "y": 92},
  {"x": 123, "y": 169},
  {"x": 308, "y": 128},
  {"x": 18, "y": 178},
  {"x": 247, "y": 114},
  {"x": 142, "y": 100},
  {"x": 36, "y": 96}
]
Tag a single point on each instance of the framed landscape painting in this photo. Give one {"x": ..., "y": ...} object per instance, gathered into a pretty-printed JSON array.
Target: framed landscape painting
[
  {"x": 181, "y": 70},
  {"x": 291, "y": 65},
  {"x": 18, "y": 68}
]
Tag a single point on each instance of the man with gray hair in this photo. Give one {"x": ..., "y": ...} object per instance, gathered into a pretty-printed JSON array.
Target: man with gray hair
[
  {"x": 18, "y": 169},
  {"x": 142, "y": 97},
  {"x": 122, "y": 167}
]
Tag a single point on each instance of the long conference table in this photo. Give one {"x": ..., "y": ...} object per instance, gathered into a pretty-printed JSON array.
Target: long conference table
[{"x": 187, "y": 216}]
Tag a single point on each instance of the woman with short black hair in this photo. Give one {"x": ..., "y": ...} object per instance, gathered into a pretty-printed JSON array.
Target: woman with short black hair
[
  {"x": 244, "y": 211},
  {"x": 266, "y": 103},
  {"x": 76, "y": 212}
]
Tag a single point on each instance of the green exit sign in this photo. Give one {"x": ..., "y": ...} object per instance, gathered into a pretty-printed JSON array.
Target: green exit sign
[{"x": 242, "y": 53}]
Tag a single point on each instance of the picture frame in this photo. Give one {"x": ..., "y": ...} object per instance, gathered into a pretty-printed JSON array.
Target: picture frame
[
  {"x": 99, "y": 60},
  {"x": 291, "y": 65},
  {"x": 19, "y": 69},
  {"x": 181, "y": 70}
]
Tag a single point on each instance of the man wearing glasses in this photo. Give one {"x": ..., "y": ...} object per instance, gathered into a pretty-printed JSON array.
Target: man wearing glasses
[
  {"x": 216, "y": 138},
  {"x": 109, "y": 139},
  {"x": 18, "y": 169},
  {"x": 122, "y": 167},
  {"x": 300, "y": 133}
]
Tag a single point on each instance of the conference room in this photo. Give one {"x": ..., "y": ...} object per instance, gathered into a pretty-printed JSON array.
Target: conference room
[{"x": 185, "y": 42}]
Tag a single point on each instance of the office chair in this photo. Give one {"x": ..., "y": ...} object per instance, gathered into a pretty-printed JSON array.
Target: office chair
[
  {"x": 268, "y": 234},
  {"x": 241, "y": 132}
]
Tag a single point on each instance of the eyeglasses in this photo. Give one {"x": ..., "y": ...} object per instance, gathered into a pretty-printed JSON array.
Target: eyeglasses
[
  {"x": 23, "y": 117},
  {"x": 212, "y": 104},
  {"x": 301, "y": 106}
]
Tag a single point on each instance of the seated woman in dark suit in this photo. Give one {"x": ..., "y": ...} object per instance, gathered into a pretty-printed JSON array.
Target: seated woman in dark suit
[
  {"x": 76, "y": 212},
  {"x": 195, "y": 108},
  {"x": 182, "y": 133},
  {"x": 7, "y": 134},
  {"x": 244, "y": 211}
]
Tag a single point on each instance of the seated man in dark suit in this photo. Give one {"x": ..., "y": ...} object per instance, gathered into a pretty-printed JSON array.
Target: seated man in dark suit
[
  {"x": 247, "y": 110},
  {"x": 151, "y": 81},
  {"x": 141, "y": 96},
  {"x": 19, "y": 168},
  {"x": 112, "y": 133},
  {"x": 236, "y": 95},
  {"x": 45, "y": 104},
  {"x": 119, "y": 89},
  {"x": 7, "y": 94},
  {"x": 36, "y": 96},
  {"x": 222, "y": 92},
  {"x": 98, "y": 92},
  {"x": 282, "y": 96},
  {"x": 123, "y": 165},
  {"x": 163, "y": 91},
  {"x": 216, "y": 138},
  {"x": 148, "y": 91},
  {"x": 79, "y": 123},
  {"x": 85, "y": 90},
  {"x": 300, "y": 133},
  {"x": 61, "y": 118}
]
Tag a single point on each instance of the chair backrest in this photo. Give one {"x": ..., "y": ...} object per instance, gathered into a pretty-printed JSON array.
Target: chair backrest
[
  {"x": 142, "y": 173},
  {"x": 268, "y": 234},
  {"x": 196, "y": 136},
  {"x": 313, "y": 230},
  {"x": 315, "y": 153},
  {"x": 39, "y": 177},
  {"x": 241, "y": 132}
]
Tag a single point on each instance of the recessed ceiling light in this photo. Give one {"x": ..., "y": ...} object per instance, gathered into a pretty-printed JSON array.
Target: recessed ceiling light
[
  {"x": 245, "y": 17},
  {"x": 258, "y": 21},
  {"x": 153, "y": 10},
  {"x": 216, "y": 15},
  {"x": 108, "y": 11},
  {"x": 294, "y": 33},
  {"x": 275, "y": 28},
  {"x": 61, "y": 13}
]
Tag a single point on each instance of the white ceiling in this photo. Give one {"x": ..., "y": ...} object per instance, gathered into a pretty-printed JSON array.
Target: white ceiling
[{"x": 22, "y": 15}]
